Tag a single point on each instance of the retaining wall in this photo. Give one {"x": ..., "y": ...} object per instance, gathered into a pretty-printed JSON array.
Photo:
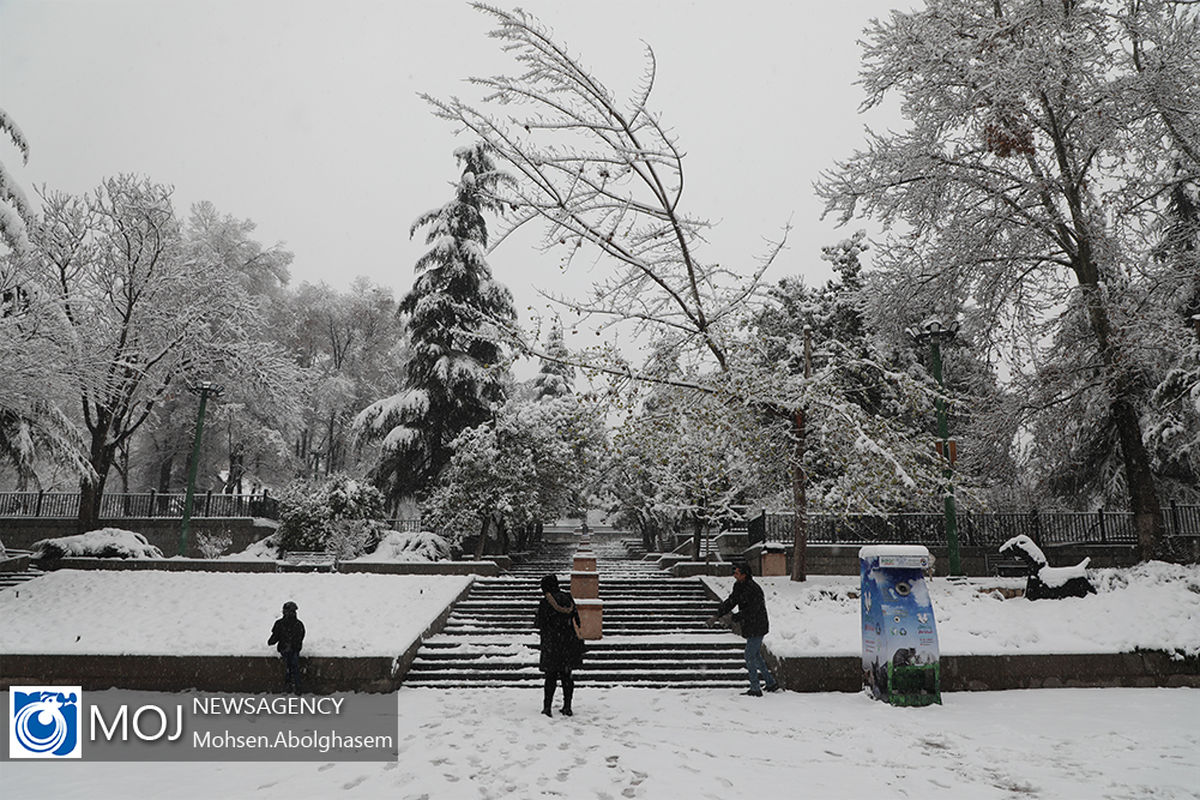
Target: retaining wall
[
  {"x": 21, "y": 532},
  {"x": 996, "y": 672},
  {"x": 842, "y": 559}
]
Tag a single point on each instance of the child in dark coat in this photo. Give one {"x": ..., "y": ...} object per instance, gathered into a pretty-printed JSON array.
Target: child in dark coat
[{"x": 288, "y": 637}]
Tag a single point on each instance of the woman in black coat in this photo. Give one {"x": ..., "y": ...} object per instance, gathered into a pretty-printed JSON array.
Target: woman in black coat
[{"x": 560, "y": 651}]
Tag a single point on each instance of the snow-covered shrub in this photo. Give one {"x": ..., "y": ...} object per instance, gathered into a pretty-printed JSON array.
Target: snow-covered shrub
[
  {"x": 104, "y": 543},
  {"x": 212, "y": 545},
  {"x": 398, "y": 546},
  {"x": 265, "y": 549},
  {"x": 316, "y": 516}
]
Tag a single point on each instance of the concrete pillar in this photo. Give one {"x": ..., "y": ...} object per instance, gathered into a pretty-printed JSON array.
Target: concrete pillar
[
  {"x": 585, "y": 562},
  {"x": 774, "y": 563},
  {"x": 585, "y": 584},
  {"x": 591, "y": 618}
]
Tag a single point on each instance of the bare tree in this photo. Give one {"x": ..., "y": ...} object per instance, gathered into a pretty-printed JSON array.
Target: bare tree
[
  {"x": 604, "y": 174},
  {"x": 141, "y": 317},
  {"x": 1041, "y": 145}
]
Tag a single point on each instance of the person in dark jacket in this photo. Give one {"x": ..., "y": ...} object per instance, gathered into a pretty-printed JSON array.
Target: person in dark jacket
[
  {"x": 747, "y": 596},
  {"x": 287, "y": 634},
  {"x": 560, "y": 652}
]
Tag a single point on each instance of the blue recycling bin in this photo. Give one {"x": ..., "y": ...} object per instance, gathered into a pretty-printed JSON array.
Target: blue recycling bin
[{"x": 899, "y": 634}]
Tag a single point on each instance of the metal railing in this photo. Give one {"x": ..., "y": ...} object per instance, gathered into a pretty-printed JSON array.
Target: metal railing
[
  {"x": 974, "y": 529},
  {"x": 65, "y": 505}
]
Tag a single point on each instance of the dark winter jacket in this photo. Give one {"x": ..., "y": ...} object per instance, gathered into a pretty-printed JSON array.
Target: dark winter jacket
[
  {"x": 752, "y": 608},
  {"x": 287, "y": 634},
  {"x": 559, "y": 643}
]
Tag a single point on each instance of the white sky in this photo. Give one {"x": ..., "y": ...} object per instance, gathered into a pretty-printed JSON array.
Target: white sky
[{"x": 304, "y": 116}]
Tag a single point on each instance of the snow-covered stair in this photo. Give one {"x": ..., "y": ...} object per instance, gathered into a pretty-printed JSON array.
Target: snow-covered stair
[
  {"x": 654, "y": 632},
  {"x": 11, "y": 578}
]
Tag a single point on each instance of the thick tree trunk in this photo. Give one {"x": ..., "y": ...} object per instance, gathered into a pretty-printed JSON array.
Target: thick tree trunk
[
  {"x": 165, "y": 468},
  {"x": 91, "y": 492},
  {"x": 1139, "y": 477}
]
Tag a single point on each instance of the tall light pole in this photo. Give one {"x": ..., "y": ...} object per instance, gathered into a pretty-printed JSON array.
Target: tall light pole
[
  {"x": 934, "y": 332},
  {"x": 205, "y": 390}
]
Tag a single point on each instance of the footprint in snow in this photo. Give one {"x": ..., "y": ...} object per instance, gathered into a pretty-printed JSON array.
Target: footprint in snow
[{"x": 348, "y": 785}]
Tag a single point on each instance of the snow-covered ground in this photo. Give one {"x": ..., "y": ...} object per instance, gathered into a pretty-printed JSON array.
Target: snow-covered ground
[
  {"x": 219, "y": 613},
  {"x": 1077, "y": 744},
  {"x": 1068, "y": 743},
  {"x": 1152, "y": 606}
]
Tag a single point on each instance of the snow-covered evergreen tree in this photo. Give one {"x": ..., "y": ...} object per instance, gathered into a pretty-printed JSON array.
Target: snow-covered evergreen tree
[
  {"x": 454, "y": 378},
  {"x": 14, "y": 208},
  {"x": 556, "y": 376}
]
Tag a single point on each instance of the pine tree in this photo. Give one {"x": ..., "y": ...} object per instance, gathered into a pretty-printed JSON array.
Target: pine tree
[
  {"x": 555, "y": 377},
  {"x": 454, "y": 377}
]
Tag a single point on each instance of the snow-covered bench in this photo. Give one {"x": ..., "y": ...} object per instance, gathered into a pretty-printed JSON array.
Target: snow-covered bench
[
  {"x": 314, "y": 560},
  {"x": 1004, "y": 566}
]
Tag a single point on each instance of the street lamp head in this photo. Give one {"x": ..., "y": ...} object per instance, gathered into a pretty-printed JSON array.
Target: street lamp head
[
  {"x": 206, "y": 389},
  {"x": 933, "y": 330}
]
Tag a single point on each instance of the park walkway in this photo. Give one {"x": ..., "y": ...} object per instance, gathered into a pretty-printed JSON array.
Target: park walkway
[{"x": 654, "y": 627}]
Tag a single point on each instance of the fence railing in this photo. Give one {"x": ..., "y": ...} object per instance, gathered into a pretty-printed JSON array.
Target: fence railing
[
  {"x": 974, "y": 529},
  {"x": 65, "y": 505},
  {"x": 404, "y": 525}
]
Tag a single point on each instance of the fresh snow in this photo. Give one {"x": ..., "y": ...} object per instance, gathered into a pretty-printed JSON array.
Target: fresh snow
[
  {"x": 106, "y": 542},
  {"x": 1071, "y": 743},
  {"x": 1126, "y": 744},
  {"x": 397, "y": 546},
  {"x": 1153, "y": 606},
  {"x": 219, "y": 613}
]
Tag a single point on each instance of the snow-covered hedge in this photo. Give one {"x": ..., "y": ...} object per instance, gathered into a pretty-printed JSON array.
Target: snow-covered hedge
[
  {"x": 397, "y": 546},
  {"x": 104, "y": 543}
]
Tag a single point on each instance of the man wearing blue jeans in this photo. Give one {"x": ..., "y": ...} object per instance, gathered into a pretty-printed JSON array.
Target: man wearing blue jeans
[{"x": 747, "y": 596}]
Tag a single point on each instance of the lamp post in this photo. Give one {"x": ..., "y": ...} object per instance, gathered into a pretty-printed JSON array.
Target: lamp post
[
  {"x": 205, "y": 390},
  {"x": 934, "y": 332}
]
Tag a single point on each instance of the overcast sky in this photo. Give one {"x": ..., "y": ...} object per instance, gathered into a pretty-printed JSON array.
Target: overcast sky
[{"x": 304, "y": 116}]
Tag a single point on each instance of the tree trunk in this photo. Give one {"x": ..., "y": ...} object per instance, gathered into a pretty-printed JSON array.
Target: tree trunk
[
  {"x": 91, "y": 492},
  {"x": 165, "y": 468},
  {"x": 696, "y": 533},
  {"x": 483, "y": 532},
  {"x": 1139, "y": 477},
  {"x": 799, "y": 503}
]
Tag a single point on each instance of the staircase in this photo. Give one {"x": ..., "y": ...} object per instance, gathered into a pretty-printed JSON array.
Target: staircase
[
  {"x": 654, "y": 629},
  {"x": 15, "y": 577}
]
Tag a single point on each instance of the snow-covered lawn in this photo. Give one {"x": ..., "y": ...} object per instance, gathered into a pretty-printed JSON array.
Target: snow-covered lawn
[
  {"x": 218, "y": 613},
  {"x": 1154, "y": 606},
  {"x": 1151, "y": 606},
  {"x": 1078, "y": 744}
]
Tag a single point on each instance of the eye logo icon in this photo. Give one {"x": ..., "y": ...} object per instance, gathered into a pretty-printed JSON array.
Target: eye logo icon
[{"x": 44, "y": 721}]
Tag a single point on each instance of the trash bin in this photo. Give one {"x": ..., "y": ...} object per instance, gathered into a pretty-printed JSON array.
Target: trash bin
[{"x": 899, "y": 635}]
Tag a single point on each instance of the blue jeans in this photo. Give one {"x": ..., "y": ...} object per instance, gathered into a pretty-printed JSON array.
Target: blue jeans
[
  {"x": 291, "y": 663},
  {"x": 755, "y": 664}
]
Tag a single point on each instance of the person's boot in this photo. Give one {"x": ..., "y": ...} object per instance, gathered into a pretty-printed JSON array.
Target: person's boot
[
  {"x": 568, "y": 693},
  {"x": 548, "y": 697}
]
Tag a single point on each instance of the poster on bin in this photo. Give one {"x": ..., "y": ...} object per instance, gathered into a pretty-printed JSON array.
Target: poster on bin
[{"x": 897, "y": 615}]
